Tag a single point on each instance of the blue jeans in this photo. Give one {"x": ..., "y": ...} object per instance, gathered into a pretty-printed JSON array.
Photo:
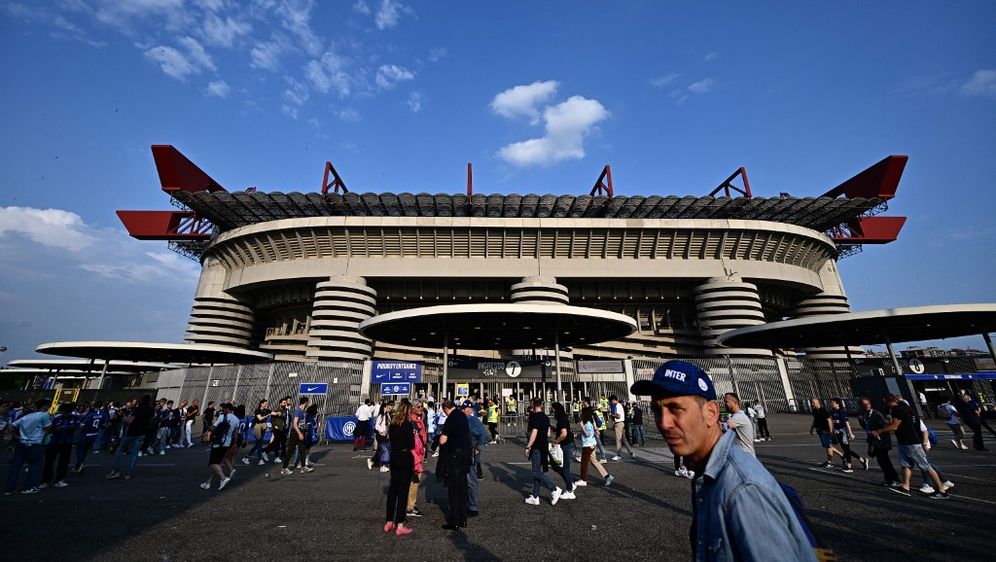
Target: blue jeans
[
  {"x": 34, "y": 457},
  {"x": 257, "y": 448},
  {"x": 83, "y": 448},
  {"x": 473, "y": 485},
  {"x": 129, "y": 446},
  {"x": 539, "y": 477},
  {"x": 638, "y": 435},
  {"x": 565, "y": 471}
]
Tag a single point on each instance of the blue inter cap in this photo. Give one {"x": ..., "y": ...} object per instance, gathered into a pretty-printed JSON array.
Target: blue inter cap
[
  {"x": 466, "y": 404},
  {"x": 677, "y": 378}
]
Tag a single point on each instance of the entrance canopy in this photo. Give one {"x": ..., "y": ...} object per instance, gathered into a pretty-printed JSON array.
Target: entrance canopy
[
  {"x": 83, "y": 365},
  {"x": 497, "y": 326},
  {"x": 889, "y": 325},
  {"x": 151, "y": 351}
]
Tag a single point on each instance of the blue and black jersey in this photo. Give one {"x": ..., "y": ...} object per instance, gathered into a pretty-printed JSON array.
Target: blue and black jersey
[{"x": 93, "y": 422}]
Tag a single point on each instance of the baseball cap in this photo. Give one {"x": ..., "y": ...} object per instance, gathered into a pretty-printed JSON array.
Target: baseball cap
[
  {"x": 466, "y": 404},
  {"x": 677, "y": 378}
]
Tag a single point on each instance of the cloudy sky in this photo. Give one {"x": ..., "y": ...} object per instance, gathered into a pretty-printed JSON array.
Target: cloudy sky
[{"x": 539, "y": 96}]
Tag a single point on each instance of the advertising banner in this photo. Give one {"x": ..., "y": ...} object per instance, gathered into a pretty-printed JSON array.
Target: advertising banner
[{"x": 396, "y": 371}]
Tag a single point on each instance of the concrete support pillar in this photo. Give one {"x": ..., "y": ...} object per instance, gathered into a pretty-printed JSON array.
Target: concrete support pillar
[
  {"x": 217, "y": 317},
  {"x": 723, "y": 304},
  {"x": 539, "y": 290},
  {"x": 341, "y": 303},
  {"x": 822, "y": 304}
]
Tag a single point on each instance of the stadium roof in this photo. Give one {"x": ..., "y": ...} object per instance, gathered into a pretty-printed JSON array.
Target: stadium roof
[
  {"x": 154, "y": 351},
  {"x": 229, "y": 210}
]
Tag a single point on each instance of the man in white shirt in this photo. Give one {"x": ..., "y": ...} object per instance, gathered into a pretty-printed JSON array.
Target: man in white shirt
[
  {"x": 739, "y": 423},
  {"x": 618, "y": 412},
  {"x": 762, "y": 423},
  {"x": 220, "y": 436}
]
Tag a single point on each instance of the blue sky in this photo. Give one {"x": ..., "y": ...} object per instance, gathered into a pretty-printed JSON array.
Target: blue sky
[{"x": 539, "y": 96}]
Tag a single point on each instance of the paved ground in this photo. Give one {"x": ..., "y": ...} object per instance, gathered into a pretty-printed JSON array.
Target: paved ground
[{"x": 337, "y": 511}]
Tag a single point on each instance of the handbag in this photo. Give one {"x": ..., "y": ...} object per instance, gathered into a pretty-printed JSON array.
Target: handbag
[{"x": 556, "y": 455}]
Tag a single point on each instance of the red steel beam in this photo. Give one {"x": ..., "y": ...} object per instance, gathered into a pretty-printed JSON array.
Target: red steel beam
[
  {"x": 869, "y": 230},
  {"x": 336, "y": 182},
  {"x": 165, "y": 225},
  {"x": 603, "y": 185},
  {"x": 178, "y": 173},
  {"x": 879, "y": 180}
]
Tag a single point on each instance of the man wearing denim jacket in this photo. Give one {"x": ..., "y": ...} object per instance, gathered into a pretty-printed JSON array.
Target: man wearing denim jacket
[{"x": 739, "y": 511}]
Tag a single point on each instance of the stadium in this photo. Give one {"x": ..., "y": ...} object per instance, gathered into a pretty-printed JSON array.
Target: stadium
[{"x": 296, "y": 274}]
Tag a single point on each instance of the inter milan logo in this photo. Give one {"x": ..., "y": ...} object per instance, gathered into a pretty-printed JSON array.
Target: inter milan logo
[{"x": 348, "y": 428}]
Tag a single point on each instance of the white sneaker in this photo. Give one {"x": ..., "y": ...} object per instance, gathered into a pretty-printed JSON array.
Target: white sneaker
[
  {"x": 691, "y": 475},
  {"x": 568, "y": 496},
  {"x": 532, "y": 500},
  {"x": 277, "y": 460},
  {"x": 245, "y": 460},
  {"x": 42, "y": 486},
  {"x": 307, "y": 469},
  {"x": 436, "y": 454},
  {"x": 385, "y": 469},
  {"x": 947, "y": 485},
  {"x": 163, "y": 452},
  {"x": 964, "y": 447},
  {"x": 60, "y": 484},
  {"x": 678, "y": 472},
  {"x": 955, "y": 443},
  {"x": 261, "y": 462},
  {"x": 577, "y": 459},
  {"x": 555, "y": 496},
  {"x": 286, "y": 472},
  {"x": 927, "y": 489},
  {"x": 370, "y": 464},
  {"x": 265, "y": 457},
  {"x": 616, "y": 458},
  {"x": 205, "y": 485},
  {"x": 609, "y": 480},
  {"x": 574, "y": 486},
  {"x": 140, "y": 454},
  {"x": 580, "y": 483},
  {"x": 224, "y": 482}
]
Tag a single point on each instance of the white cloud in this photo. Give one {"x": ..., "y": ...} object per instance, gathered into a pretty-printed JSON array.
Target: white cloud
[
  {"x": 63, "y": 27},
  {"x": 224, "y": 32},
  {"x": 211, "y": 5},
  {"x": 437, "y": 53},
  {"x": 329, "y": 73},
  {"x": 566, "y": 125},
  {"x": 294, "y": 97},
  {"x": 361, "y": 7},
  {"x": 983, "y": 83},
  {"x": 415, "y": 101},
  {"x": 266, "y": 55},
  {"x": 664, "y": 80},
  {"x": 388, "y": 75},
  {"x": 123, "y": 14},
  {"x": 711, "y": 57},
  {"x": 389, "y": 14},
  {"x": 196, "y": 53},
  {"x": 522, "y": 101},
  {"x": 171, "y": 61},
  {"x": 295, "y": 15},
  {"x": 218, "y": 88},
  {"x": 348, "y": 114},
  {"x": 702, "y": 86},
  {"x": 49, "y": 227}
]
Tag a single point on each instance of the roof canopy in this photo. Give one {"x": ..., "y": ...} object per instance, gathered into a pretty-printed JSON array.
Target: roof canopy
[
  {"x": 151, "y": 351},
  {"x": 236, "y": 209},
  {"x": 498, "y": 326},
  {"x": 872, "y": 327},
  {"x": 83, "y": 365}
]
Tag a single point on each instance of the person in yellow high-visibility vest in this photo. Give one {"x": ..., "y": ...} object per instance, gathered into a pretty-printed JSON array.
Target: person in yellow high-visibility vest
[
  {"x": 576, "y": 410},
  {"x": 603, "y": 405},
  {"x": 492, "y": 416}
]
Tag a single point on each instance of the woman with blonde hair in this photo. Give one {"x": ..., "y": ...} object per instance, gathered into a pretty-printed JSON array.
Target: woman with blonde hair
[{"x": 401, "y": 433}]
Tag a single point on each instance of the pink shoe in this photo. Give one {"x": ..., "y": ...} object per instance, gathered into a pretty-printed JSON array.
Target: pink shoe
[
  {"x": 401, "y": 531},
  {"x": 388, "y": 526}
]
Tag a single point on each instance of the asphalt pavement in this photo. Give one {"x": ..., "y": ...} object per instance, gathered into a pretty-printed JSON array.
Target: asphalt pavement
[{"x": 337, "y": 512}]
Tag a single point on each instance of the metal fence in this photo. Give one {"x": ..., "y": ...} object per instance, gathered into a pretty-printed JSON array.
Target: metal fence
[
  {"x": 750, "y": 378},
  {"x": 247, "y": 384}
]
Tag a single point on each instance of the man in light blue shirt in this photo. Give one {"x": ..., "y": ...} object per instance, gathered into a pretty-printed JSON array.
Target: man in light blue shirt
[
  {"x": 739, "y": 511},
  {"x": 30, "y": 429}
]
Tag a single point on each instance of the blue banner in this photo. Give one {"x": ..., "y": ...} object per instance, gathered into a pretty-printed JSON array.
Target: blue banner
[
  {"x": 955, "y": 376},
  {"x": 395, "y": 388},
  {"x": 313, "y": 388},
  {"x": 340, "y": 428},
  {"x": 396, "y": 371}
]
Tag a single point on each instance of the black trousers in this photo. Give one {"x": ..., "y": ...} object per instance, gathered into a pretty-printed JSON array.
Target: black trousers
[
  {"x": 56, "y": 456},
  {"x": 397, "y": 492},
  {"x": 458, "y": 467},
  {"x": 889, "y": 473},
  {"x": 279, "y": 443},
  {"x": 976, "y": 427},
  {"x": 762, "y": 428}
]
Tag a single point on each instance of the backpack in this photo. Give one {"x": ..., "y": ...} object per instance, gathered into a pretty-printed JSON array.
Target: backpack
[
  {"x": 822, "y": 551},
  {"x": 598, "y": 420},
  {"x": 220, "y": 431}
]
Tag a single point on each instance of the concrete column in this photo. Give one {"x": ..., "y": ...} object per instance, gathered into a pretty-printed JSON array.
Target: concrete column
[
  {"x": 725, "y": 304},
  {"x": 823, "y": 304},
  {"x": 217, "y": 317},
  {"x": 783, "y": 374},
  {"x": 628, "y": 369},
  {"x": 341, "y": 303},
  {"x": 539, "y": 290}
]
